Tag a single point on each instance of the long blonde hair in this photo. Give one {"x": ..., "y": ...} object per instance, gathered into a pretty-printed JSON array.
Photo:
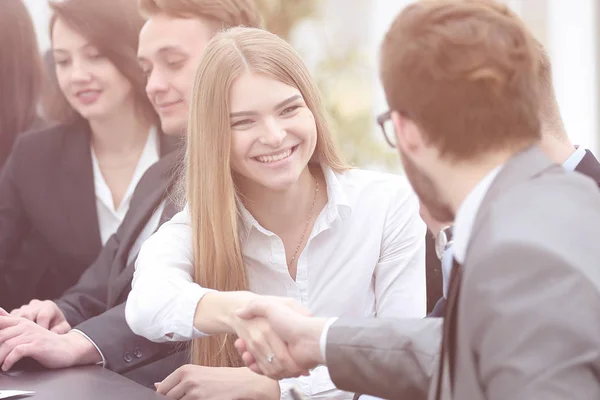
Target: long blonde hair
[{"x": 211, "y": 192}]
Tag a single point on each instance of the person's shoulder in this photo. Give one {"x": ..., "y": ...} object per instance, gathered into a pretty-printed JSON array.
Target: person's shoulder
[
  {"x": 556, "y": 213},
  {"x": 370, "y": 178},
  {"x": 556, "y": 192},
  {"x": 38, "y": 149},
  {"x": 374, "y": 183},
  {"x": 161, "y": 178},
  {"x": 47, "y": 136},
  {"x": 378, "y": 192},
  {"x": 168, "y": 167}
]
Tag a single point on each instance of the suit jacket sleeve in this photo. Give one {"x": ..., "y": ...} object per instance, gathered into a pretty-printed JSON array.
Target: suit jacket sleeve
[
  {"x": 122, "y": 349},
  {"x": 553, "y": 357},
  {"x": 89, "y": 296},
  {"x": 14, "y": 222},
  {"x": 384, "y": 357}
]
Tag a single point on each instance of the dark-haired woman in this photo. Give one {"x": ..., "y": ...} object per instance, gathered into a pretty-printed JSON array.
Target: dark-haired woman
[{"x": 65, "y": 189}]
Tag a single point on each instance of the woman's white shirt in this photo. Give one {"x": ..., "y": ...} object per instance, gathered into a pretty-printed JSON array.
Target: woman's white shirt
[
  {"x": 109, "y": 217},
  {"x": 365, "y": 257}
]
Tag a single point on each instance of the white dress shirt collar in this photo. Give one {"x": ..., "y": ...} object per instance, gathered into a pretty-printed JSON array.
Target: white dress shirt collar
[
  {"x": 466, "y": 213},
  {"x": 574, "y": 159},
  {"x": 109, "y": 217},
  {"x": 337, "y": 205}
]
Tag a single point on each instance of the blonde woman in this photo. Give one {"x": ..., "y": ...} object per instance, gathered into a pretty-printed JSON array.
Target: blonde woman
[{"x": 271, "y": 209}]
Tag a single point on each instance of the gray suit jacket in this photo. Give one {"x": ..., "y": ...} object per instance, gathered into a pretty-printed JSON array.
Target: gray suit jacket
[
  {"x": 528, "y": 310},
  {"x": 96, "y": 304}
]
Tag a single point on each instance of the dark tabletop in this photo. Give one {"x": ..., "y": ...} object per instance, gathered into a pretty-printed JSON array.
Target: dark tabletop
[{"x": 89, "y": 383}]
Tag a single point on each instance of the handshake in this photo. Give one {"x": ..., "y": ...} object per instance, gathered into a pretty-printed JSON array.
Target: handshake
[{"x": 278, "y": 337}]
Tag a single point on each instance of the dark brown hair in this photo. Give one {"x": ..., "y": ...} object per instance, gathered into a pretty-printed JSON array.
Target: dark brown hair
[
  {"x": 228, "y": 13},
  {"x": 113, "y": 26},
  {"x": 466, "y": 72},
  {"x": 21, "y": 74}
]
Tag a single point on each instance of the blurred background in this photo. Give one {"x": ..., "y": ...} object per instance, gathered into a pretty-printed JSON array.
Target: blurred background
[{"x": 339, "y": 41}]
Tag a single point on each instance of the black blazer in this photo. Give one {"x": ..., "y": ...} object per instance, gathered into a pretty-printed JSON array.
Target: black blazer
[
  {"x": 49, "y": 230},
  {"x": 7, "y": 139},
  {"x": 96, "y": 304}
]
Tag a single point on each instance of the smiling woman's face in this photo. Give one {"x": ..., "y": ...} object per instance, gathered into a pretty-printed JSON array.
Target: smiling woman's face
[
  {"x": 274, "y": 134},
  {"x": 90, "y": 82}
]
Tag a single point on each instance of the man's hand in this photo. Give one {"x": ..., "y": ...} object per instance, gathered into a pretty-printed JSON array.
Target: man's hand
[
  {"x": 206, "y": 383},
  {"x": 271, "y": 354},
  {"x": 21, "y": 338},
  {"x": 434, "y": 225},
  {"x": 44, "y": 313},
  {"x": 293, "y": 325}
]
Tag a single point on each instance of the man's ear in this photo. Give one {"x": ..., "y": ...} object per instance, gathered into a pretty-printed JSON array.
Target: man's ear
[{"x": 408, "y": 135}]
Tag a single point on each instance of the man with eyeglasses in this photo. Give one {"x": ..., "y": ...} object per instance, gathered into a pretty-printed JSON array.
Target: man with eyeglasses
[{"x": 555, "y": 143}]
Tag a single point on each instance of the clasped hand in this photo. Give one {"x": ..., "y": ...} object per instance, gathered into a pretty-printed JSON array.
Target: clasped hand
[
  {"x": 270, "y": 354},
  {"x": 278, "y": 337}
]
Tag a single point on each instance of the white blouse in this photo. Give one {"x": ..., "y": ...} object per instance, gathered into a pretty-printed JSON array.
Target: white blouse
[
  {"x": 109, "y": 217},
  {"x": 365, "y": 257}
]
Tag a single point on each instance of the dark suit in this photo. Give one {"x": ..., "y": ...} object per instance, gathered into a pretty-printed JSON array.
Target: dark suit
[
  {"x": 7, "y": 139},
  {"x": 96, "y": 305},
  {"x": 49, "y": 230}
]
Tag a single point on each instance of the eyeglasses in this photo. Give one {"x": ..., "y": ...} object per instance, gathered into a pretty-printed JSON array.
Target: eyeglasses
[{"x": 387, "y": 127}]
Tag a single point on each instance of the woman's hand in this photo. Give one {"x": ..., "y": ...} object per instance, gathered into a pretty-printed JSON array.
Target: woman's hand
[
  {"x": 271, "y": 353},
  {"x": 294, "y": 325},
  {"x": 217, "y": 313},
  {"x": 207, "y": 383}
]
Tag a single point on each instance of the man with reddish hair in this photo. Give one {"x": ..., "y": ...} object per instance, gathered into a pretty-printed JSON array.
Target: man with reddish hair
[
  {"x": 523, "y": 313},
  {"x": 555, "y": 143}
]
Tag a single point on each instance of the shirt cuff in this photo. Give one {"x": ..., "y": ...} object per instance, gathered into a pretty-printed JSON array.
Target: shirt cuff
[
  {"x": 103, "y": 362},
  {"x": 285, "y": 389},
  {"x": 184, "y": 322},
  {"x": 323, "y": 341}
]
